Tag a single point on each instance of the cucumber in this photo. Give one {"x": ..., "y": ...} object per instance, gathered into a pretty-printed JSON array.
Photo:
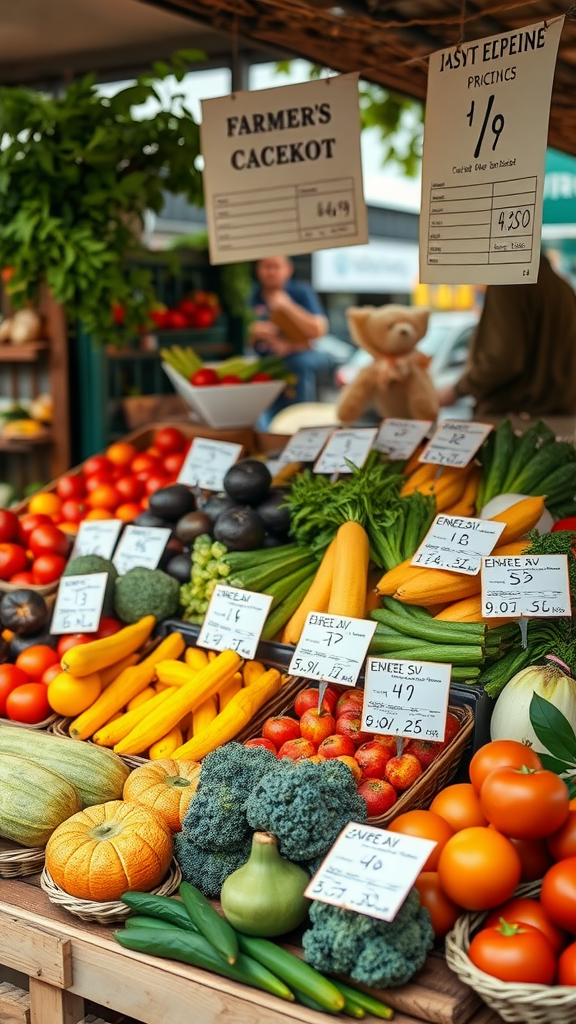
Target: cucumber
[
  {"x": 434, "y": 631},
  {"x": 412, "y": 611},
  {"x": 282, "y": 588},
  {"x": 209, "y": 922},
  {"x": 293, "y": 971},
  {"x": 165, "y": 908},
  {"x": 550, "y": 457},
  {"x": 362, "y": 999},
  {"x": 405, "y": 647},
  {"x": 261, "y": 577},
  {"x": 504, "y": 443},
  {"x": 285, "y": 610},
  {"x": 240, "y": 560},
  {"x": 141, "y": 921},
  {"x": 193, "y": 948},
  {"x": 532, "y": 441}
]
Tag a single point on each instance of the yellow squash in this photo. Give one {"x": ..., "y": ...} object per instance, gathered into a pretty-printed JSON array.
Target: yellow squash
[
  {"x": 116, "y": 728},
  {"x": 166, "y": 745},
  {"x": 351, "y": 557},
  {"x": 99, "y": 654},
  {"x": 204, "y": 715},
  {"x": 195, "y": 658},
  {"x": 315, "y": 600}
]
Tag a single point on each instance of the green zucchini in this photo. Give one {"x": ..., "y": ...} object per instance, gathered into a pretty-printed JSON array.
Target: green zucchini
[
  {"x": 362, "y": 999},
  {"x": 261, "y": 577},
  {"x": 285, "y": 610},
  {"x": 550, "y": 457},
  {"x": 410, "y": 611},
  {"x": 532, "y": 441},
  {"x": 405, "y": 647},
  {"x": 165, "y": 908},
  {"x": 209, "y": 922},
  {"x": 311, "y": 1004},
  {"x": 141, "y": 921},
  {"x": 241, "y": 560},
  {"x": 293, "y": 971},
  {"x": 504, "y": 443},
  {"x": 433, "y": 631},
  {"x": 193, "y": 948},
  {"x": 282, "y": 588}
]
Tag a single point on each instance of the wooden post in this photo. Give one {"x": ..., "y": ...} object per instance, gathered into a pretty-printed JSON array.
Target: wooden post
[{"x": 50, "y": 1005}]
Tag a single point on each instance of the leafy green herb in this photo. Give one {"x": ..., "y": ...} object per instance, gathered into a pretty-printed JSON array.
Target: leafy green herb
[
  {"x": 561, "y": 542},
  {"x": 555, "y": 733}
]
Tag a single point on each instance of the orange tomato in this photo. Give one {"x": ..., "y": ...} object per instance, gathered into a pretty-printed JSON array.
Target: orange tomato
[
  {"x": 479, "y": 868},
  {"x": 525, "y": 804},
  {"x": 500, "y": 754},
  {"x": 127, "y": 512},
  {"x": 100, "y": 513},
  {"x": 424, "y": 825},
  {"x": 45, "y": 502},
  {"x": 443, "y": 911},
  {"x": 70, "y": 527},
  {"x": 35, "y": 660},
  {"x": 459, "y": 806},
  {"x": 562, "y": 844},
  {"x": 104, "y": 496},
  {"x": 121, "y": 453},
  {"x": 558, "y": 894}
]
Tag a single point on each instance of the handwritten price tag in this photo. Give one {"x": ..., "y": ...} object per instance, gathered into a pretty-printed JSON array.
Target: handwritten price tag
[
  {"x": 234, "y": 620},
  {"x": 207, "y": 463},
  {"x": 306, "y": 444},
  {"x": 455, "y": 443},
  {"x": 532, "y": 586},
  {"x": 370, "y": 870},
  {"x": 332, "y": 648},
  {"x": 97, "y": 537},
  {"x": 141, "y": 547},
  {"x": 458, "y": 543},
  {"x": 406, "y": 698},
  {"x": 79, "y": 603},
  {"x": 399, "y": 439},
  {"x": 345, "y": 446}
]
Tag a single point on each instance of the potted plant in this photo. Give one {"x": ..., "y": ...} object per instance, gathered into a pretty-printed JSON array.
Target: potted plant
[{"x": 77, "y": 173}]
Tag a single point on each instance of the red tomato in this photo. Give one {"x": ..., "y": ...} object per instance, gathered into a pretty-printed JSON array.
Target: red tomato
[
  {"x": 96, "y": 464},
  {"x": 535, "y": 857},
  {"x": 558, "y": 894},
  {"x": 261, "y": 378},
  {"x": 443, "y": 912},
  {"x": 29, "y": 522},
  {"x": 105, "y": 496},
  {"x": 530, "y": 912},
  {"x": 47, "y": 568},
  {"x": 525, "y": 804},
  {"x": 9, "y": 526},
  {"x": 103, "y": 479},
  {"x": 70, "y": 487},
  {"x": 10, "y": 678},
  {"x": 564, "y": 524},
  {"x": 204, "y": 318},
  {"x": 51, "y": 673},
  {"x": 567, "y": 966},
  {"x": 130, "y": 488},
  {"x": 49, "y": 540},
  {"x": 144, "y": 463},
  {"x": 155, "y": 483},
  {"x": 514, "y": 952},
  {"x": 108, "y": 626},
  {"x": 70, "y": 640},
  {"x": 498, "y": 754},
  {"x": 28, "y": 703},
  {"x": 169, "y": 440},
  {"x": 172, "y": 464},
  {"x": 204, "y": 378},
  {"x": 177, "y": 320},
  {"x": 231, "y": 378},
  {"x": 13, "y": 559},
  {"x": 36, "y": 659},
  {"x": 73, "y": 511},
  {"x": 24, "y": 578},
  {"x": 562, "y": 844}
]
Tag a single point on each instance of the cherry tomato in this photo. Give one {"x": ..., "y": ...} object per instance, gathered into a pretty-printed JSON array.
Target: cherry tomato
[
  {"x": 230, "y": 378},
  {"x": 424, "y": 825},
  {"x": 145, "y": 464},
  {"x": 47, "y": 569},
  {"x": 70, "y": 640},
  {"x": 121, "y": 453},
  {"x": 104, "y": 479},
  {"x": 443, "y": 912},
  {"x": 45, "y": 502},
  {"x": 108, "y": 626},
  {"x": 535, "y": 857},
  {"x": 71, "y": 487},
  {"x": 13, "y": 559},
  {"x": 558, "y": 894},
  {"x": 172, "y": 464},
  {"x": 562, "y": 844},
  {"x": 36, "y": 659},
  {"x": 500, "y": 754},
  {"x": 479, "y": 868},
  {"x": 130, "y": 488},
  {"x": 169, "y": 440},
  {"x": 459, "y": 806},
  {"x": 10, "y": 678},
  {"x": 204, "y": 318},
  {"x": 24, "y": 578},
  {"x": 524, "y": 803},
  {"x": 9, "y": 526},
  {"x": 73, "y": 511},
  {"x": 105, "y": 496},
  {"x": 128, "y": 511},
  {"x": 28, "y": 703},
  {"x": 530, "y": 912},
  {"x": 206, "y": 377},
  {"x": 51, "y": 674},
  {"x": 96, "y": 464},
  {"x": 48, "y": 540},
  {"x": 28, "y": 524},
  {"x": 260, "y": 378},
  {"x": 567, "y": 966},
  {"x": 155, "y": 482},
  {"x": 514, "y": 952}
]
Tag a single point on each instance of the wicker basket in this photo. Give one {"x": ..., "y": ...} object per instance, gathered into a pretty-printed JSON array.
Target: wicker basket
[
  {"x": 112, "y": 912},
  {"x": 433, "y": 779},
  {"x": 47, "y": 724},
  {"x": 18, "y": 861},
  {"x": 44, "y": 589},
  {"x": 519, "y": 1004},
  {"x": 61, "y": 726}
]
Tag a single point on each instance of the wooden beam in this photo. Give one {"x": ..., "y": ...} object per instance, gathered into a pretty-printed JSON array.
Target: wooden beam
[
  {"x": 34, "y": 952},
  {"x": 49, "y": 1005}
]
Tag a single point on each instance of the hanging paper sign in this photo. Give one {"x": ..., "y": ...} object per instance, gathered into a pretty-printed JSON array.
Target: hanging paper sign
[
  {"x": 458, "y": 543},
  {"x": 306, "y": 444},
  {"x": 455, "y": 443},
  {"x": 346, "y": 447},
  {"x": 370, "y": 870},
  {"x": 234, "y": 620},
  {"x": 533, "y": 586},
  {"x": 97, "y": 537},
  {"x": 207, "y": 463},
  {"x": 79, "y": 603},
  {"x": 332, "y": 648},
  {"x": 485, "y": 136},
  {"x": 406, "y": 698},
  {"x": 283, "y": 172},
  {"x": 399, "y": 439},
  {"x": 141, "y": 547}
]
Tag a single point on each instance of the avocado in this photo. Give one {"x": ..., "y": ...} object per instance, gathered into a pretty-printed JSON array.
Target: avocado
[
  {"x": 248, "y": 482},
  {"x": 172, "y": 502}
]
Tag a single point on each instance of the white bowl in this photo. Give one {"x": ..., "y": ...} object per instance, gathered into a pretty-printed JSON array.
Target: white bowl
[{"x": 226, "y": 405}]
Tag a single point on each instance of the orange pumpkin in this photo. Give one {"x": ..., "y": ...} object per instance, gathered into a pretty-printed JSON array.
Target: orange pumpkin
[
  {"x": 166, "y": 786},
  {"x": 106, "y": 850}
]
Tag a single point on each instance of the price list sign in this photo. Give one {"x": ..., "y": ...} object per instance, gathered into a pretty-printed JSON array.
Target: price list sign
[
  {"x": 234, "y": 620},
  {"x": 532, "y": 586},
  {"x": 346, "y": 447},
  {"x": 306, "y": 444},
  {"x": 141, "y": 547},
  {"x": 455, "y": 443},
  {"x": 370, "y": 870},
  {"x": 332, "y": 648},
  {"x": 399, "y": 439},
  {"x": 406, "y": 698},
  {"x": 97, "y": 537},
  {"x": 486, "y": 129},
  {"x": 207, "y": 463},
  {"x": 458, "y": 543},
  {"x": 79, "y": 603}
]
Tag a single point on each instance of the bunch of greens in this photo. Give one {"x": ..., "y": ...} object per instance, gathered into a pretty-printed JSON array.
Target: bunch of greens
[
  {"x": 556, "y": 733},
  {"x": 543, "y": 637}
]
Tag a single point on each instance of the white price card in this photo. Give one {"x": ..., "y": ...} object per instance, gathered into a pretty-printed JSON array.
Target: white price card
[
  {"x": 141, "y": 547},
  {"x": 485, "y": 136},
  {"x": 458, "y": 543},
  {"x": 306, "y": 444},
  {"x": 97, "y": 537},
  {"x": 406, "y": 698},
  {"x": 344, "y": 447},
  {"x": 207, "y": 463},
  {"x": 234, "y": 620},
  {"x": 455, "y": 442},
  {"x": 332, "y": 648},
  {"x": 79, "y": 602},
  {"x": 283, "y": 172},
  {"x": 399, "y": 439},
  {"x": 370, "y": 870},
  {"x": 532, "y": 586}
]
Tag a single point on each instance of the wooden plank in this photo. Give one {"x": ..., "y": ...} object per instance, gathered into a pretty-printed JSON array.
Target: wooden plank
[
  {"x": 25, "y": 947},
  {"x": 14, "y": 1004},
  {"x": 49, "y": 1005}
]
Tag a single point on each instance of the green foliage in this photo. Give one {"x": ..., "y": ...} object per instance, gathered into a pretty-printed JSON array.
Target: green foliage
[
  {"x": 555, "y": 732},
  {"x": 77, "y": 173}
]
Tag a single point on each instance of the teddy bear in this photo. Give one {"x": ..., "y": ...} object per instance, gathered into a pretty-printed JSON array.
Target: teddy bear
[{"x": 397, "y": 384}]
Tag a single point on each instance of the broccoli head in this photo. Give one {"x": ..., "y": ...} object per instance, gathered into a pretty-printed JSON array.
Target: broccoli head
[
  {"x": 377, "y": 953},
  {"x": 305, "y": 805},
  {"x": 146, "y": 592},
  {"x": 216, "y": 817},
  {"x": 205, "y": 869}
]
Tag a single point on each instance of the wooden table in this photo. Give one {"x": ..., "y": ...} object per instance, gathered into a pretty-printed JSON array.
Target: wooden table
[{"x": 67, "y": 962}]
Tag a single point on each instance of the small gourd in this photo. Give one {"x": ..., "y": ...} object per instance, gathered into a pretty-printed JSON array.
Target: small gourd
[
  {"x": 165, "y": 786},
  {"x": 265, "y": 897}
]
